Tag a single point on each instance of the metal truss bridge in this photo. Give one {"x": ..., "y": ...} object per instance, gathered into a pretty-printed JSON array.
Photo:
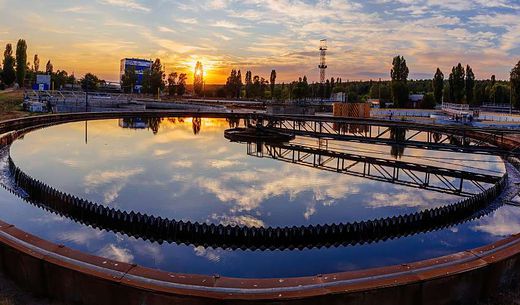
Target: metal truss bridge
[{"x": 421, "y": 136}]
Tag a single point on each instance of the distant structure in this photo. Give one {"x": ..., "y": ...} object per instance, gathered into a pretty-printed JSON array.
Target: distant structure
[
  {"x": 140, "y": 65},
  {"x": 323, "y": 60}
]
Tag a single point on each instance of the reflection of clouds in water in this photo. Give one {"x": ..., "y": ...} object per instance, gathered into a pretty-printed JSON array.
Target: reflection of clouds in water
[
  {"x": 70, "y": 162},
  {"x": 408, "y": 199},
  {"x": 220, "y": 164},
  {"x": 242, "y": 220},
  {"x": 182, "y": 164},
  {"x": 311, "y": 210},
  {"x": 153, "y": 251},
  {"x": 209, "y": 254},
  {"x": 116, "y": 253},
  {"x": 115, "y": 179},
  {"x": 82, "y": 236},
  {"x": 264, "y": 184},
  {"x": 162, "y": 152},
  {"x": 49, "y": 218},
  {"x": 503, "y": 222}
]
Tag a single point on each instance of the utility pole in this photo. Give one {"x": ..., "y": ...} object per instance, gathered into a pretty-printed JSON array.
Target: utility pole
[
  {"x": 510, "y": 97},
  {"x": 379, "y": 95}
]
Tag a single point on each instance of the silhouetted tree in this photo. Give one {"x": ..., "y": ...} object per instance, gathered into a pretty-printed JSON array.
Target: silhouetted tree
[
  {"x": 234, "y": 84},
  {"x": 128, "y": 80},
  {"x": 60, "y": 79},
  {"x": 399, "y": 74},
  {"x": 8, "y": 73},
  {"x": 272, "y": 81},
  {"x": 36, "y": 63},
  {"x": 515, "y": 85},
  {"x": 181, "y": 84},
  {"x": 90, "y": 82},
  {"x": 249, "y": 84},
  {"x": 469, "y": 85},
  {"x": 21, "y": 62},
  {"x": 49, "y": 68},
  {"x": 457, "y": 81},
  {"x": 172, "y": 83},
  {"x": 428, "y": 102},
  {"x": 198, "y": 79},
  {"x": 438, "y": 86},
  {"x": 153, "y": 78}
]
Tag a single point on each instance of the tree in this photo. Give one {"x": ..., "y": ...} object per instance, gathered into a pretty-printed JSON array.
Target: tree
[
  {"x": 399, "y": 74},
  {"x": 469, "y": 85},
  {"x": 8, "y": 74},
  {"x": 457, "y": 84},
  {"x": 198, "y": 79},
  {"x": 49, "y": 68},
  {"x": 129, "y": 79},
  {"x": 90, "y": 82},
  {"x": 428, "y": 102},
  {"x": 239, "y": 84},
  {"x": 380, "y": 90},
  {"x": 36, "y": 63},
  {"x": 438, "y": 86},
  {"x": 500, "y": 94},
  {"x": 153, "y": 78},
  {"x": 249, "y": 84},
  {"x": 172, "y": 83},
  {"x": 233, "y": 84},
  {"x": 272, "y": 81},
  {"x": 181, "y": 84},
  {"x": 60, "y": 79},
  {"x": 515, "y": 85},
  {"x": 21, "y": 62}
]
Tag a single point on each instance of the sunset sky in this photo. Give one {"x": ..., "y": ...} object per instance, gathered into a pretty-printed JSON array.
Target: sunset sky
[{"x": 92, "y": 36}]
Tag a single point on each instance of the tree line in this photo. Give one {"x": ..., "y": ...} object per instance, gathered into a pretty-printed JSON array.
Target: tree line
[
  {"x": 16, "y": 69},
  {"x": 460, "y": 86}
]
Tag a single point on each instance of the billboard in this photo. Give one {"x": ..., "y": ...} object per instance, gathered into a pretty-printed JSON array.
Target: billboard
[{"x": 140, "y": 65}]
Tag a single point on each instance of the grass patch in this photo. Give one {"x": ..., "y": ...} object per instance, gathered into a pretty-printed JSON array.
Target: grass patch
[{"x": 10, "y": 105}]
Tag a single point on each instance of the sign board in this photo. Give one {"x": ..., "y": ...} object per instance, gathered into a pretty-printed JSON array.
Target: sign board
[{"x": 43, "y": 82}]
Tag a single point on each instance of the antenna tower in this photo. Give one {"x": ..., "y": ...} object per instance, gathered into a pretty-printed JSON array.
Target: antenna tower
[{"x": 323, "y": 60}]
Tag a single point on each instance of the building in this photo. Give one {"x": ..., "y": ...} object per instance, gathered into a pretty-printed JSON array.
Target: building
[
  {"x": 415, "y": 100},
  {"x": 140, "y": 66}
]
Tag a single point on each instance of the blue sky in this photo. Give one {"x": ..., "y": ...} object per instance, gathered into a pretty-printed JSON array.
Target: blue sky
[{"x": 363, "y": 36}]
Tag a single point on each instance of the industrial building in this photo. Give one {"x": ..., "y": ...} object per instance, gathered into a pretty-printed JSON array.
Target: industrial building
[{"x": 140, "y": 65}]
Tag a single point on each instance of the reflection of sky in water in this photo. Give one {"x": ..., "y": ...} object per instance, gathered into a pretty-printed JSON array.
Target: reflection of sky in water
[{"x": 176, "y": 173}]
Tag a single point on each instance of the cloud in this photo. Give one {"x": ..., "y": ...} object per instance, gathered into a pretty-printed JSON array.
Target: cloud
[
  {"x": 127, "y": 4},
  {"x": 187, "y": 20},
  {"x": 165, "y": 29},
  {"x": 227, "y": 25}
]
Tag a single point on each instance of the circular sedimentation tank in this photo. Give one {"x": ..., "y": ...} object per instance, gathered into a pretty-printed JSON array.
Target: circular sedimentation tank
[{"x": 176, "y": 206}]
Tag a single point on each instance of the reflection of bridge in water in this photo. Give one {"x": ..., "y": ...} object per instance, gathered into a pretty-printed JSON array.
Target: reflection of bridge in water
[{"x": 444, "y": 180}]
